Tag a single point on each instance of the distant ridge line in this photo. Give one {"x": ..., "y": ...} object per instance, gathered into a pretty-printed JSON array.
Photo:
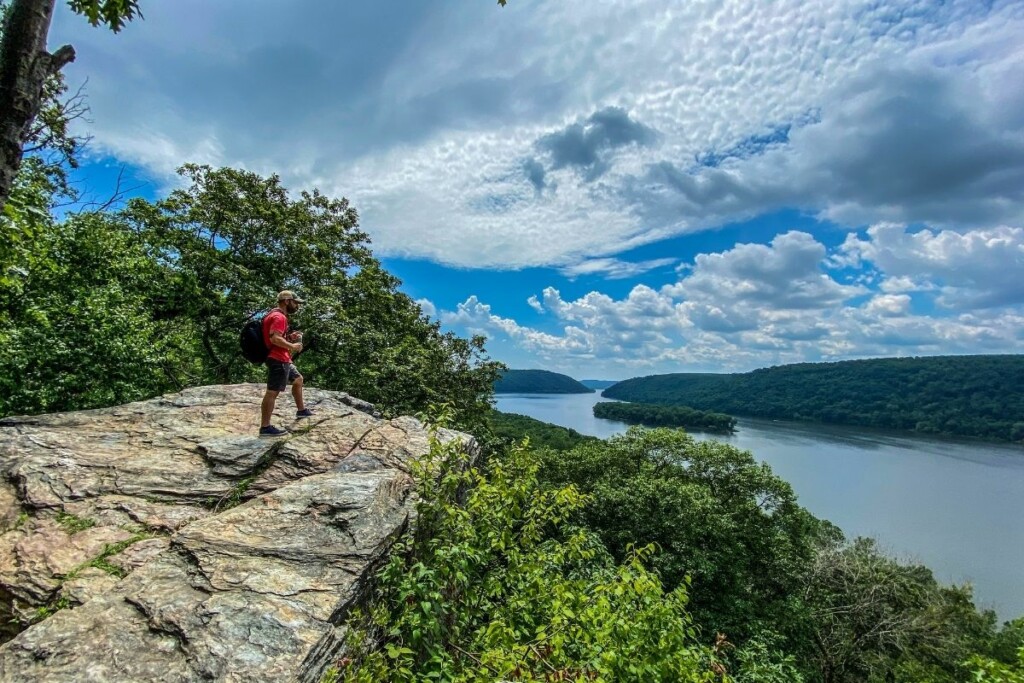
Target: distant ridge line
[
  {"x": 977, "y": 396},
  {"x": 538, "y": 382}
]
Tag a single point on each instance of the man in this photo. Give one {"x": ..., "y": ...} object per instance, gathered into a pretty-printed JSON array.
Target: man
[{"x": 281, "y": 370}]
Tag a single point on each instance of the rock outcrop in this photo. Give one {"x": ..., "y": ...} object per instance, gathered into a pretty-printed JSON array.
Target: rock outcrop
[{"x": 162, "y": 540}]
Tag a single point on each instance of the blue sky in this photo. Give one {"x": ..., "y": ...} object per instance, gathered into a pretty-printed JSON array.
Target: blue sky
[{"x": 616, "y": 188}]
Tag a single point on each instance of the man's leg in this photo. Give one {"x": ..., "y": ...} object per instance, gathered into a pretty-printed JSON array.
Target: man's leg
[
  {"x": 297, "y": 393},
  {"x": 267, "y": 407}
]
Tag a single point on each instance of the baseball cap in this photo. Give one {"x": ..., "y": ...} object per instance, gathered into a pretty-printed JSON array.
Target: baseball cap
[{"x": 289, "y": 294}]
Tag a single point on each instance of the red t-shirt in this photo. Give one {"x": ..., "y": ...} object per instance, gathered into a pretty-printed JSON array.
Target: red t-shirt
[{"x": 276, "y": 321}]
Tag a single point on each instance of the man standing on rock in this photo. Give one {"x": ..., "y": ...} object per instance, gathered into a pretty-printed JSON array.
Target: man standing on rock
[{"x": 281, "y": 370}]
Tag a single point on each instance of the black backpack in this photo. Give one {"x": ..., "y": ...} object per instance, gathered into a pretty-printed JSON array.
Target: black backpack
[{"x": 253, "y": 348}]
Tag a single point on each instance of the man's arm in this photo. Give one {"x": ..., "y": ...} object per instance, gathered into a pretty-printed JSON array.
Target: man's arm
[{"x": 277, "y": 339}]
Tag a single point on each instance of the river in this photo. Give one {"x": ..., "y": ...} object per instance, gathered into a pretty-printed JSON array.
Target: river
[{"x": 956, "y": 506}]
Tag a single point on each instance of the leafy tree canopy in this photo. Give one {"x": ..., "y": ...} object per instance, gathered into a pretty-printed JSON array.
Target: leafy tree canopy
[
  {"x": 717, "y": 516},
  {"x": 511, "y": 427},
  {"x": 500, "y": 587},
  {"x": 113, "y": 14}
]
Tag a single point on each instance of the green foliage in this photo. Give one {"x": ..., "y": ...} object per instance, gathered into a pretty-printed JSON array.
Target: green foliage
[
  {"x": 763, "y": 660},
  {"x": 25, "y": 216},
  {"x": 380, "y": 347},
  {"x": 111, "y": 549},
  {"x": 716, "y": 514},
  {"x": 73, "y": 524},
  {"x": 60, "y": 601},
  {"x": 1007, "y": 643},
  {"x": 964, "y": 395},
  {"x": 50, "y": 609},
  {"x": 499, "y": 588},
  {"x": 665, "y": 416},
  {"x": 232, "y": 239},
  {"x": 985, "y": 670},
  {"x": 875, "y": 619},
  {"x": 538, "y": 382},
  {"x": 78, "y": 327},
  {"x": 113, "y": 14},
  {"x": 510, "y": 427}
]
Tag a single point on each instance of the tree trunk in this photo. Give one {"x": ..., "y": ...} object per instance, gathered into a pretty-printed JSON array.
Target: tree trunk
[{"x": 24, "y": 67}]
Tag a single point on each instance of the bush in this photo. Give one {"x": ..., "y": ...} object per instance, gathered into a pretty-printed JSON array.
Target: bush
[{"x": 501, "y": 588}]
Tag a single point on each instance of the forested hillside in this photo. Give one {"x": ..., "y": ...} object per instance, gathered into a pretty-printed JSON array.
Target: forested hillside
[
  {"x": 665, "y": 416},
  {"x": 513, "y": 427},
  {"x": 598, "y": 384},
  {"x": 538, "y": 382},
  {"x": 978, "y": 396}
]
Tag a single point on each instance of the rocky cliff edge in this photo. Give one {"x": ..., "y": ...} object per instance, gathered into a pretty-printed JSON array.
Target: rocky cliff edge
[{"x": 163, "y": 541}]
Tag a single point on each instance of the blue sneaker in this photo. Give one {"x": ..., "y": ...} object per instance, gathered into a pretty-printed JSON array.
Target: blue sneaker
[
  {"x": 271, "y": 430},
  {"x": 305, "y": 412}
]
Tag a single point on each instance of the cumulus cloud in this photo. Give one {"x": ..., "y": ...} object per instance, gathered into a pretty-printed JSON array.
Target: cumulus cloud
[
  {"x": 888, "y": 305},
  {"x": 476, "y": 316},
  {"x": 756, "y": 305},
  {"x": 972, "y": 270},
  {"x": 428, "y": 307},
  {"x": 787, "y": 274}
]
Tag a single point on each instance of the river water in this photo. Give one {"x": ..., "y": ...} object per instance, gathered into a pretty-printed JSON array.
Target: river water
[{"x": 956, "y": 506}]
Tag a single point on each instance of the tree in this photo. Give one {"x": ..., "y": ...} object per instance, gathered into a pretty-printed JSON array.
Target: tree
[
  {"x": 874, "y": 618},
  {"x": 716, "y": 514},
  {"x": 76, "y": 313},
  {"x": 232, "y": 239},
  {"x": 26, "y": 66},
  {"x": 986, "y": 670},
  {"x": 103, "y": 308}
]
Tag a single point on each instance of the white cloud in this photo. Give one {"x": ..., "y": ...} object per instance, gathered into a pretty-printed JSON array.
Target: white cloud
[
  {"x": 477, "y": 316},
  {"x": 888, "y": 305},
  {"x": 425, "y": 115},
  {"x": 784, "y": 275},
  {"x": 614, "y": 269},
  {"x": 428, "y": 307},
  {"x": 974, "y": 269},
  {"x": 758, "y": 305}
]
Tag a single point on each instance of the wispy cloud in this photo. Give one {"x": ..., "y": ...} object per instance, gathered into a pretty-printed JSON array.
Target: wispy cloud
[{"x": 614, "y": 269}]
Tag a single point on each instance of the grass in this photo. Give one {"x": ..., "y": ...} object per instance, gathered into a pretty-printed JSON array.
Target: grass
[
  {"x": 99, "y": 562},
  {"x": 73, "y": 524},
  {"x": 50, "y": 609}
]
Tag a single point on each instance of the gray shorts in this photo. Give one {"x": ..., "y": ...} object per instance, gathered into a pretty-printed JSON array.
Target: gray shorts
[{"x": 280, "y": 375}]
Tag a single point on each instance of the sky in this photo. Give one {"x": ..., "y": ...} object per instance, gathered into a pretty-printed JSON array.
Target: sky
[{"x": 611, "y": 188}]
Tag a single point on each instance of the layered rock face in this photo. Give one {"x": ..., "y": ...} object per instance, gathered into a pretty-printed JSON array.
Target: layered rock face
[{"x": 164, "y": 541}]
